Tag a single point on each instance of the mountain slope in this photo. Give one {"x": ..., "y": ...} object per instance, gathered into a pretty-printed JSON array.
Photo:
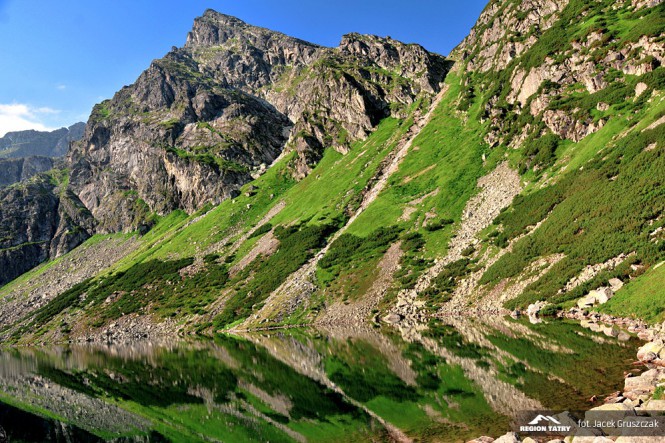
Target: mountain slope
[
  {"x": 208, "y": 117},
  {"x": 534, "y": 173},
  {"x": 41, "y": 143}
]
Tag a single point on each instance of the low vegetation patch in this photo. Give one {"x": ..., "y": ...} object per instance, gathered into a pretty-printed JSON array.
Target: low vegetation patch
[{"x": 253, "y": 285}]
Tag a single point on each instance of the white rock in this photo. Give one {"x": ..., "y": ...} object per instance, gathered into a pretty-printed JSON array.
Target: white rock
[
  {"x": 650, "y": 350},
  {"x": 585, "y": 302},
  {"x": 615, "y": 284},
  {"x": 602, "y": 295},
  {"x": 510, "y": 437}
]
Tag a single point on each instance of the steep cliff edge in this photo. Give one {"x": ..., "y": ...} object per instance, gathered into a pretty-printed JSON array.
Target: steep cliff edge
[
  {"x": 19, "y": 169},
  {"x": 39, "y": 219}
]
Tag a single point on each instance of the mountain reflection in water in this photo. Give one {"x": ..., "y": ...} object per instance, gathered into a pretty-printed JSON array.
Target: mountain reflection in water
[{"x": 450, "y": 381}]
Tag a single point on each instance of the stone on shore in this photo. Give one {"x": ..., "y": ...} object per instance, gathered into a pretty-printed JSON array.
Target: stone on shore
[
  {"x": 586, "y": 301},
  {"x": 510, "y": 437},
  {"x": 651, "y": 351},
  {"x": 654, "y": 407}
]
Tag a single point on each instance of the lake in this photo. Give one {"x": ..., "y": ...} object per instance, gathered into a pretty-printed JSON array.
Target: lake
[{"x": 451, "y": 380}]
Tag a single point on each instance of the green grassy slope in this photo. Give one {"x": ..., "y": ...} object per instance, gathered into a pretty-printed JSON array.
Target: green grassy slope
[{"x": 596, "y": 198}]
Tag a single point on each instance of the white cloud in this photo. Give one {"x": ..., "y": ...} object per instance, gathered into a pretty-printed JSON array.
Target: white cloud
[
  {"x": 19, "y": 117},
  {"x": 61, "y": 87},
  {"x": 46, "y": 110}
]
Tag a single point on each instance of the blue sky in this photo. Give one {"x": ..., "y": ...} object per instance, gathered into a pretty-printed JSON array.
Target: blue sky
[{"x": 59, "y": 58}]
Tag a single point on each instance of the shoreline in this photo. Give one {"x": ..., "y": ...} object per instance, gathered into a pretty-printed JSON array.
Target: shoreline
[{"x": 637, "y": 397}]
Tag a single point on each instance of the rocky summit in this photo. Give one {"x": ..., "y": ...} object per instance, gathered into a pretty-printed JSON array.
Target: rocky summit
[{"x": 262, "y": 181}]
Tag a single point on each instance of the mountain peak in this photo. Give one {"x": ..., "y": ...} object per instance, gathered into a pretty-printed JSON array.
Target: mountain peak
[
  {"x": 211, "y": 14},
  {"x": 214, "y": 28}
]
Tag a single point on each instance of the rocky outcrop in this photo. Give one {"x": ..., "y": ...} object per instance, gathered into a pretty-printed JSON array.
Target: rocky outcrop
[
  {"x": 541, "y": 80},
  {"x": 243, "y": 56},
  {"x": 348, "y": 90},
  {"x": 496, "y": 39},
  {"x": 19, "y": 169},
  {"x": 41, "y": 143},
  {"x": 171, "y": 141},
  {"x": 38, "y": 221}
]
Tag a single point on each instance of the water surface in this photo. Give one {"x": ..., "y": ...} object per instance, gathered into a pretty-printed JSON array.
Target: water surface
[{"x": 449, "y": 381}]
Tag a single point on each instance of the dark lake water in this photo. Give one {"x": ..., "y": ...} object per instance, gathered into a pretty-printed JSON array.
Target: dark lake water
[{"x": 451, "y": 381}]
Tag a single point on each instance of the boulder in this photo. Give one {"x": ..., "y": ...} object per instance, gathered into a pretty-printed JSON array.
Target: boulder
[
  {"x": 510, "y": 437},
  {"x": 615, "y": 284},
  {"x": 635, "y": 387},
  {"x": 601, "y": 295},
  {"x": 582, "y": 438},
  {"x": 611, "y": 331},
  {"x": 587, "y": 301},
  {"x": 392, "y": 318},
  {"x": 623, "y": 336},
  {"x": 534, "y": 308},
  {"x": 651, "y": 351},
  {"x": 654, "y": 407}
]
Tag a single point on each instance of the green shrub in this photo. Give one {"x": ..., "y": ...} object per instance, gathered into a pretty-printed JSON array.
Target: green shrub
[
  {"x": 436, "y": 225},
  {"x": 263, "y": 229}
]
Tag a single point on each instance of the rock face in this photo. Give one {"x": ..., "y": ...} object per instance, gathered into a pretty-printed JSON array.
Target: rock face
[
  {"x": 40, "y": 143},
  {"x": 144, "y": 159},
  {"x": 489, "y": 45},
  {"x": 19, "y": 169},
  {"x": 199, "y": 122},
  {"x": 38, "y": 221},
  {"x": 502, "y": 40}
]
